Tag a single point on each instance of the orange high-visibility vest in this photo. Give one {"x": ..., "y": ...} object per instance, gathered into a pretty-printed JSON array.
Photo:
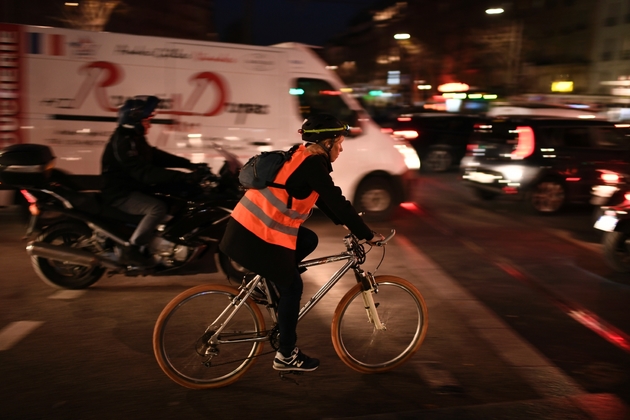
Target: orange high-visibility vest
[{"x": 265, "y": 212}]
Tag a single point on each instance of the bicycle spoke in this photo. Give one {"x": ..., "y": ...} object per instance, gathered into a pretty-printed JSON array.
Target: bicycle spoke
[
  {"x": 367, "y": 349},
  {"x": 190, "y": 355}
]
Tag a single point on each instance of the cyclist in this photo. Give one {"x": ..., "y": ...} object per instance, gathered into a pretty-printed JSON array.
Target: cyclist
[
  {"x": 265, "y": 233},
  {"x": 131, "y": 166}
]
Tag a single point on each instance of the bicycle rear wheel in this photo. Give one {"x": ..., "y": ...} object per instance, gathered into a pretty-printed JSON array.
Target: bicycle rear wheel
[
  {"x": 182, "y": 333},
  {"x": 363, "y": 347}
]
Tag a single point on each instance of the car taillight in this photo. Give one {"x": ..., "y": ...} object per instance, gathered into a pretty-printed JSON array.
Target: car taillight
[
  {"x": 406, "y": 134},
  {"x": 387, "y": 130},
  {"x": 526, "y": 142},
  {"x": 404, "y": 119},
  {"x": 626, "y": 196},
  {"x": 471, "y": 149}
]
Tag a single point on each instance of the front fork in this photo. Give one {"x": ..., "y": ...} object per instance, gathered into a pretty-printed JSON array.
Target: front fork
[{"x": 368, "y": 289}]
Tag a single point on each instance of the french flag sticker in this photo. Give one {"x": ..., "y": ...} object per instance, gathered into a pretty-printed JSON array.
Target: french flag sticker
[{"x": 46, "y": 44}]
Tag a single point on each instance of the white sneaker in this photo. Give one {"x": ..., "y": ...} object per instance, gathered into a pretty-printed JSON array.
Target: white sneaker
[{"x": 297, "y": 361}]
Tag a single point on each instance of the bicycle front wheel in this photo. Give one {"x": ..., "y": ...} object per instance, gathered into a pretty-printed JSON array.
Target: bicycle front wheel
[
  {"x": 367, "y": 349},
  {"x": 182, "y": 337}
]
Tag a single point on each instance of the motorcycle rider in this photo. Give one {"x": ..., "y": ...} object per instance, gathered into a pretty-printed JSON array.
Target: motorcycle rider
[{"x": 130, "y": 166}]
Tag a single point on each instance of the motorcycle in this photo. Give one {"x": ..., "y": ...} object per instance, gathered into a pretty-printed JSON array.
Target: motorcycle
[
  {"x": 613, "y": 219},
  {"x": 80, "y": 239}
]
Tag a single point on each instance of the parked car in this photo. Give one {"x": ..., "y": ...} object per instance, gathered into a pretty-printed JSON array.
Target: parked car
[
  {"x": 439, "y": 138},
  {"x": 549, "y": 161}
]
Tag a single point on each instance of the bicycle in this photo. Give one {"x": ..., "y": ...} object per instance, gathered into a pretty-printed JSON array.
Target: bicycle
[{"x": 210, "y": 335}]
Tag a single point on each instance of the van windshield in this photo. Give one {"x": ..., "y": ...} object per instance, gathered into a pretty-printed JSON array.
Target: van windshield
[{"x": 316, "y": 96}]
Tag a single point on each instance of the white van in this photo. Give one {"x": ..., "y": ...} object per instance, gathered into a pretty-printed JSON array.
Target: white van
[{"x": 62, "y": 88}]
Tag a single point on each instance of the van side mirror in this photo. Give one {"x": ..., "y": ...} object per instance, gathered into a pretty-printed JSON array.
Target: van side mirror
[{"x": 356, "y": 123}]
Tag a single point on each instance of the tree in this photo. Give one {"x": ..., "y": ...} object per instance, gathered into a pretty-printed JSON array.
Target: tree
[{"x": 90, "y": 15}]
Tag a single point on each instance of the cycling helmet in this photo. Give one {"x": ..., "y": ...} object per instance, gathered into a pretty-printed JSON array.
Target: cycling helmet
[
  {"x": 134, "y": 110},
  {"x": 321, "y": 127}
]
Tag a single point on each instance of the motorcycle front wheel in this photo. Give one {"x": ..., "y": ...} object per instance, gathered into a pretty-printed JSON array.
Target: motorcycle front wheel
[
  {"x": 616, "y": 249},
  {"x": 63, "y": 274}
]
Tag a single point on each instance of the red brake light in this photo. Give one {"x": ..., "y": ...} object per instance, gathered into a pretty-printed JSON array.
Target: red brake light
[
  {"x": 407, "y": 134},
  {"x": 32, "y": 202},
  {"x": 470, "y": 149},
  {"x": 404, "y": 118},
  {"x": 387, "y": 130},
  {"x": 626, "y": 196},
  {"x": 29, "y": 197},
  {"x": 525, "y": 146}
]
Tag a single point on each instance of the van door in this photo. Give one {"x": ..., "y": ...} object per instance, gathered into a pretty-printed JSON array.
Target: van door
[{"x": 225, "y": 95}]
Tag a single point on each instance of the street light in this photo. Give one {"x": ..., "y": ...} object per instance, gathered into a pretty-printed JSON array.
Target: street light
[
  {"x": 495, "y": 11},
  {"x": 403, "y": 57}
]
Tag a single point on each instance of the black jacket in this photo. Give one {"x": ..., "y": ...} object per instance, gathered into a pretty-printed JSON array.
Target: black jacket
[
  {"x": 278, "y": 263},
  {"x": 129, "y": 163}
]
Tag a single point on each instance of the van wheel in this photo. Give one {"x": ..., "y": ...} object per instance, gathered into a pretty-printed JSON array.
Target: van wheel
[
  {"x": 438, "y": 160},
  {"x": 548, "y": 197},
  {"x": 375, "y": 198}
]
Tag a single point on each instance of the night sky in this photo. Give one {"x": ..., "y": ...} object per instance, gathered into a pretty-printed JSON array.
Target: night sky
[{"x": 274, "y": 21}]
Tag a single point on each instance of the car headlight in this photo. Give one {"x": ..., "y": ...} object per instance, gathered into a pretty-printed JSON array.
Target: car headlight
[{"x": 513, "y": 173}]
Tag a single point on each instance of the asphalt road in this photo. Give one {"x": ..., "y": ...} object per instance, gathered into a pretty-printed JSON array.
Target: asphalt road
[{"x": 88, "y": 355}]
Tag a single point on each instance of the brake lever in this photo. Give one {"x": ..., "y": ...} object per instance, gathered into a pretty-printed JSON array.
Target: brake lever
[{"x": 383, "y": 242}]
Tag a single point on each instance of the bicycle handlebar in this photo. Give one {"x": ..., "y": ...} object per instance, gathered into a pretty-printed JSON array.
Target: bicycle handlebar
[{"x": 384, "y": 241}]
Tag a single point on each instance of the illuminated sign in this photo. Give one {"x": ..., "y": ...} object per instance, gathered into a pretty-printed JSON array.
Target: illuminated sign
[
  {"x": 453, "y": 87},
  {"x": 564, "y": 86}
]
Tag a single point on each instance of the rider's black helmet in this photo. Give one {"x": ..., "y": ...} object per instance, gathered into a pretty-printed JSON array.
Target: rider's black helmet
[
  {"x": 321, "y": 127},
  {"x": 134, "y": 110}
]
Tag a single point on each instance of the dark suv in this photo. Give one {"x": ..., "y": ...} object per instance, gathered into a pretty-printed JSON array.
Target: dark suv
[
  {"x": 549, "y": 161},
  {"x": 439, "y": 138}
]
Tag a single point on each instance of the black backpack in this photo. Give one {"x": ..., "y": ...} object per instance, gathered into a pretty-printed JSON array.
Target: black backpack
[{"x": 260, "y": 170}]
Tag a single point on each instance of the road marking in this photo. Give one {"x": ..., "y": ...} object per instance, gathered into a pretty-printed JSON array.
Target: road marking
[
  {"x": 517, "y": 352},
  {"x": 67, "y": 294},
  {"x": 15, "y": 331}
]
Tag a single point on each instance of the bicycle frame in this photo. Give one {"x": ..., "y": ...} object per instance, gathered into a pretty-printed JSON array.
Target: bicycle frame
[
  {"x": 354, "y": 259},
  {"x": 238, "y": 322}
]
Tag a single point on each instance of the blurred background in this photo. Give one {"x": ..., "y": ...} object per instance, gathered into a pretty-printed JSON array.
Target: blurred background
[{"x": 400, "y": 54}]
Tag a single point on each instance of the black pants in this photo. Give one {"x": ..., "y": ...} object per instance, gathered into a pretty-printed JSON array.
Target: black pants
[
  {"x": 291, "y": 293},
  {"x": 153, "y": 209}
]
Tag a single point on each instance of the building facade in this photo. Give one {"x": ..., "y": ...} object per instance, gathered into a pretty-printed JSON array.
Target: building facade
[{"x": 546, "y": 47}]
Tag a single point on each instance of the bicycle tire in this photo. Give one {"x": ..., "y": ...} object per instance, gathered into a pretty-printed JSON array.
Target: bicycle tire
[
  {"x": 365, "y": 349},
  {"x": 181, "y": 326}
]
